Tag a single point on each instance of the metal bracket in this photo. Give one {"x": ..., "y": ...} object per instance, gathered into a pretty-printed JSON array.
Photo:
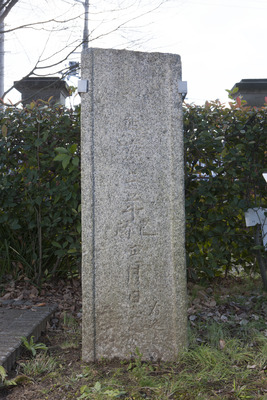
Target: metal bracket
[
  {"x": 82, "y": 86},
  {"x": 182, "y": 88}
]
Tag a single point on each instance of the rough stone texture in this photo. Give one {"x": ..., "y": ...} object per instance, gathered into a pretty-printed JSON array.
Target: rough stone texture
[{"x": 134, "y": 280}]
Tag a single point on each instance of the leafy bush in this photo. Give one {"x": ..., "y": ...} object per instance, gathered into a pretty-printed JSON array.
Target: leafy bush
[
  {"x": 40, "y": 191},
  {"x": 225, "y": 155},
  {"x": 225, "y": 152}
]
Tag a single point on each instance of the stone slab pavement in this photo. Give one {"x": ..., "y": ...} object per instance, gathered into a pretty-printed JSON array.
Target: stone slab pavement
[{"x": 19, "y": 319}]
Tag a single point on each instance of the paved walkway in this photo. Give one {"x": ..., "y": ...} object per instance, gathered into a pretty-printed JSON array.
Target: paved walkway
[{"x": 17, "y": 319}]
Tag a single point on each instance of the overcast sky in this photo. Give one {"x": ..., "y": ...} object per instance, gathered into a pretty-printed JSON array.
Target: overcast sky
[{"x": 220, "y": 41}]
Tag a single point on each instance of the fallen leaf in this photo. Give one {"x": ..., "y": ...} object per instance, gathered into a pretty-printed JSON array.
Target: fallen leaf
[
  {"x": 191, "y": 310},
  {"x": 6, "y": 296},
  {"x": 222, "y": 344},
  {"x": 19, "y": 297},
  {"x": 202, "y": 294},
  {"x": 21, "y": 378},
  {"x": 192, "y": 317},
  {"x": 243, "y": 322}
]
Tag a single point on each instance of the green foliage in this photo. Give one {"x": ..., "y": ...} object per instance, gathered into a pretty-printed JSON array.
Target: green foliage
[
  {"x": 97, "y": 391},
  {"x": 42, "y": 364},
  {"x": 225, "y": 156},
  {"x": 234, "y": 370},
  {"x": 3, "y": 378},
  {"x": 39, "y": 191},
  {"x": 32, "y": 346}
]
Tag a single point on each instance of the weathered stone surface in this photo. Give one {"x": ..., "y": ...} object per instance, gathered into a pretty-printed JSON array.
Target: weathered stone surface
[{"x": 134, "y": 281}]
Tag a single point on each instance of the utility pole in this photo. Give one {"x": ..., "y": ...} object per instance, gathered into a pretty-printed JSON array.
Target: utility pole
[
  {"x": 86, "y": 25},
  {"x": 2, "y": 51},
  {"x": 85, "y": 3}
]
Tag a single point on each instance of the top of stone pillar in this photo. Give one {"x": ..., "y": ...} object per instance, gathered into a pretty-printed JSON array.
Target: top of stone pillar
[
  {"x": 42, "y": 88},
  {"x": 253, "y": 91}
]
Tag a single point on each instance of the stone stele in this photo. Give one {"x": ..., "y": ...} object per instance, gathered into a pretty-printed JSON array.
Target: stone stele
[{"x": 133, "y": 220}]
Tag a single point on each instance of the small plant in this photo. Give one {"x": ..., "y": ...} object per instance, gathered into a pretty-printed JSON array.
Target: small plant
[
  {"x": 87, "y": 392},
  {"x": 240, "y": 391},
  {"x": 69, "y": 321},
  {"x": 141, "y": 370},
  {"x": 4, "y": 380},
  {"x": 215, "y": 332},
  {"x": 39, "y": 365},
  {"x": 136, "y": 362},
  {"x": 32, "y": 346},
  {"x": 68, "y": 344}
]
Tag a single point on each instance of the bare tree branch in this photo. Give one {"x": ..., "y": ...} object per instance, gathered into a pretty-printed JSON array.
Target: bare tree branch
[
  {"x": 55, "y": 60},
  {"x": 5, "y": 8},
  {"x": 41, "y": 23},
  {"x": 39, "y": 67}
]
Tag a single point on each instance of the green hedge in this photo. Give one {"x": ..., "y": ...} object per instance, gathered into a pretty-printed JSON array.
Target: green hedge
[
  {"x": 225, "y": 155},
  {"x": 40, "y": 191}
]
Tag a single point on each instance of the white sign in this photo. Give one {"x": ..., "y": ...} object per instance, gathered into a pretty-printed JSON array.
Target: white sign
[
  {"x": 265, "y": 175},
  {"x": 256, "y": 216}
]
